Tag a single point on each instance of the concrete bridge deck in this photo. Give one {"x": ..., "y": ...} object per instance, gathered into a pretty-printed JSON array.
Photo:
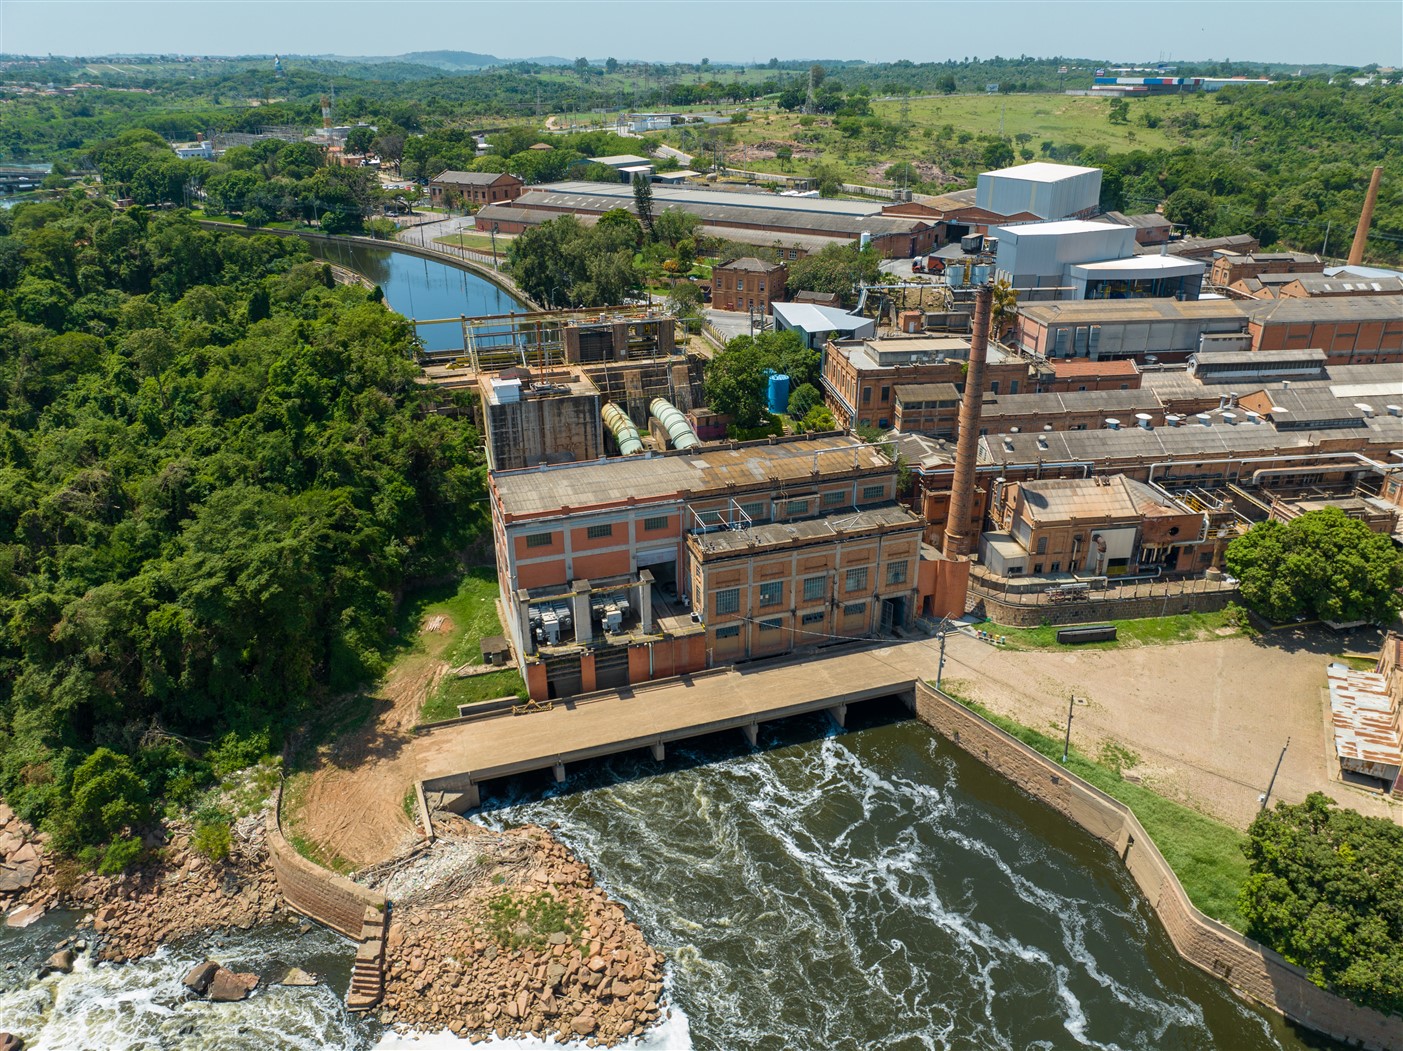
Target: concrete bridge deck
[{"x": 454, "y": 760}]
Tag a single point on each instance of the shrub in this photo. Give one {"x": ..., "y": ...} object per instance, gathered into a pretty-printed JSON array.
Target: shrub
[
  {"x": 212, "y": 840},
  {"x": 120, "y": 855}
]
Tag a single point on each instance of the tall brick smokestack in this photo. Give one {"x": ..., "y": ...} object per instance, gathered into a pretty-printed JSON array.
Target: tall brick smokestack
[
  {"x": 1361, "y": 232},
  {"x": 958, "y": 538}
]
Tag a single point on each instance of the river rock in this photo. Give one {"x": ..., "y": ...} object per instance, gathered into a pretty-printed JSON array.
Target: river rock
[
  {"x": 103, "y": 917},
  {"x": 200, "y": 976},
  {"x": 297, "y": 976},
  {"x": 10, "y": 1042},
  {"x": 228, "y": 987},
  {"x": 24, "y": 916},
  {"x": 583, "y": 1024},
  {"x": 60, "y": 962},
  {"x": 18, "y": 876}
]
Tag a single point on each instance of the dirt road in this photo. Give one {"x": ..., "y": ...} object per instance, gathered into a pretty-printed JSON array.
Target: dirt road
[
  {"x": 352, "y": 804},
  {"x": 1207, "y": 719}
]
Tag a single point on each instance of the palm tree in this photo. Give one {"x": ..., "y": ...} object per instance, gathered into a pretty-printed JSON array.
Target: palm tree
[{"x": 1005, "y": 308}]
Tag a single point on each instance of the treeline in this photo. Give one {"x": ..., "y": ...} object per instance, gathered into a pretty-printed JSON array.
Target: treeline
[{"x": 217, "y": 472}]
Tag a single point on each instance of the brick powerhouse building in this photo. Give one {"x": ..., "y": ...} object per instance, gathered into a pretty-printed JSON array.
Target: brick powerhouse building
[
  {"x": 619, "y": 571},
  {"x": 475, "y": 188},
  {"x": 747, "y": 284}
]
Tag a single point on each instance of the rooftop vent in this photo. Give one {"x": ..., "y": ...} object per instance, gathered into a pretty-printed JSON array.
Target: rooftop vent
[
  {"x": 1365, "y": 408},
  {"x": 1230, "y": 418},
  {"x": 1394, "y": 410},
  {"x": 1042, "y": 442},
  {"x": 1143, "y": 419},
  {"x": 1113, "y": 423},
  {"x": 1008, "y": 444},
  {"x": 1204, "y": 418}
]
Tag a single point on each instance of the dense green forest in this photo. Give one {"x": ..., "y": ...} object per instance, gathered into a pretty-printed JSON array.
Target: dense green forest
[{"x": 217, "y": 473}]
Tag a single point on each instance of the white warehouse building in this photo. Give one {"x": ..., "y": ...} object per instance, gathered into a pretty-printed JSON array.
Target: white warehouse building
[
  {"x": 1049, "y": 191},
  {"x": 1079, "y": 259}
]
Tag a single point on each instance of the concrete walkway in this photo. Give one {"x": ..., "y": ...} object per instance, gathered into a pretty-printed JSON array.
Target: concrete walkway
[{"x": 454, "y": 759}]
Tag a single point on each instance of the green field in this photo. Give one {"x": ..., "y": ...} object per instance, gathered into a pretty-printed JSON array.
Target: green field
[
  {"x": 1148, "y": 631},
  {"x": 930, "y": 133},
  {"x": 477, "y": 242},
  {"x": 472, "y": 608},
  {"x": 1205, "y": 854}
]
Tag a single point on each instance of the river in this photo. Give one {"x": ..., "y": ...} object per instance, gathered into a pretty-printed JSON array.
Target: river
[{"x": 422, "y": 289}]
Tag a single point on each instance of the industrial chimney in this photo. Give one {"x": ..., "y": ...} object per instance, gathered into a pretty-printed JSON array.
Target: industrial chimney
[
  {"x": 958, "y": 540},
  {"x": 1361, "y": 232}
]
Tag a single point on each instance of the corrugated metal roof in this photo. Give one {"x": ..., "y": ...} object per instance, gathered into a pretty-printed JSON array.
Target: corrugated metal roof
[
  {"x": 581, "y": 486},
  {"x": 1365, "y": 717},
  {"x": 1295, "y": 311},
  {"x": 782, "y": 534},
  {"x": 1057, "y": 403},
  {"x": 473, "y": 178},
  {"x": 1113, "y": 311},
  {"x": 1116, "y": 496}
]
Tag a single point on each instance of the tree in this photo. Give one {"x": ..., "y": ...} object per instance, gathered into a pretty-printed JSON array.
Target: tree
[
  {"x": 1325, "y": 890},
  {"x": 360, "y": 139},
  {"x": 804, "y": 398},
  {"x": 997, "y": 154},
  {"x": 643, "y": 202},
  {"x": 1005, "y": 307},
  {"x": 673, "y": 226},
  {"x": 611, "y": 65},
  {"x": 736, "y": 383},
  {"x": 1321, "y": 564},
  {"x": 1119, "y": 112},
  {"x": 835, "y": 268},
  {"x": 1190, "y": 208}
]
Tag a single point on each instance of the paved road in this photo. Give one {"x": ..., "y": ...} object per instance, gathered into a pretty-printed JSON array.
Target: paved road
[{"x": 730, "y": 323}]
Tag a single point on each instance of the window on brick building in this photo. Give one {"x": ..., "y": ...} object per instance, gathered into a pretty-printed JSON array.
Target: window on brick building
[
  {"x": 896, "y": 572},
  {"x": 771, "y": 594},
  {"x": 651, "y": 525},
  {"x": 540, "y": 539},
  {"x": 853, "y": 609},
  {"x": 774, "y": 624},
  {"x": 728, "y": 601},
  {"x": 599, "y": 532},
  {"x": 873, "y": 492},
  {"x": 814, "y": 588},
  {"x": 730, "y": 631},
  {"x": 855, "y": 579},
  {"x": 812, "y": 618}
]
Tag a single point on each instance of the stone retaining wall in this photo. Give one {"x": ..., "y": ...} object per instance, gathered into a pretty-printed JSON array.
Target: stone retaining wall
[
  {"x": 313, "y": 891},
  {"x": 1249, "y": 968},
  {"x": 1019, "y": 615}
]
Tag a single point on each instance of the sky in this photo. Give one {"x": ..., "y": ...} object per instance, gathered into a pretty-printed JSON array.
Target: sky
[{"x": 1344, "y": 32}]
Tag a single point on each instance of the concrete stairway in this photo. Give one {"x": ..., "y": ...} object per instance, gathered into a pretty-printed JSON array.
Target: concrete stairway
[{"x": 368, "y": 972}]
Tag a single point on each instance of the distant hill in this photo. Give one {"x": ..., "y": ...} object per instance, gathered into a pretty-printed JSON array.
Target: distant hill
[{"x": 472, "y": 60}]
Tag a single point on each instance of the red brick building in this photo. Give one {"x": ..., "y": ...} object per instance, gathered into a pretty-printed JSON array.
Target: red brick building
[
  {"x": 475, "y": 188},
  {"x": 747, "y": 284}
]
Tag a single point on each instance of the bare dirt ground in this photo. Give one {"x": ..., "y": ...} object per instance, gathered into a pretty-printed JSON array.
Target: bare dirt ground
[
  {"x": 352, "y": 805},
  {"x": 1207, "y": 719}
]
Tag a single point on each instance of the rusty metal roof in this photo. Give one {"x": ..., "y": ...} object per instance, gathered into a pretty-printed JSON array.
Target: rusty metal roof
[{"x": 1365, "y": 716}]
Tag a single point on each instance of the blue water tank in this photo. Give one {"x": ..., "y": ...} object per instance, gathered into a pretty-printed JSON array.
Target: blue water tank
[
  {"x": 779, "y": 393},
  {"x": 955, "y": 276},
  {"x": 981, "y": 275}
]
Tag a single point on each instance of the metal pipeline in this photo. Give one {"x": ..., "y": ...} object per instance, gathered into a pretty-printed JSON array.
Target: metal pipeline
[
  {"x": 679, "y": 431},
  {"x": 623, "y": 429}
]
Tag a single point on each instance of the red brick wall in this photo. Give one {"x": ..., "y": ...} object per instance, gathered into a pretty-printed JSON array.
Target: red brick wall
[{"x": 314, "y": 891}]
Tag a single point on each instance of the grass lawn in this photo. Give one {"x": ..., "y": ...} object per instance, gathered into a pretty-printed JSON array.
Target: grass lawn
[
  {"x": 1149, "y": 631},
  {"x": 479, "y": 242},
  {"x": 471, "y": 606},
  {"x": 1205, "y": 854}
]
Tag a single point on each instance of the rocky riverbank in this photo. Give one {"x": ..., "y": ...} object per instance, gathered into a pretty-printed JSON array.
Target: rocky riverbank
[
  {"x": 176, "y": 894},
  {"x": 506, "y": 934},
  {"x": 493, "y": 934}
]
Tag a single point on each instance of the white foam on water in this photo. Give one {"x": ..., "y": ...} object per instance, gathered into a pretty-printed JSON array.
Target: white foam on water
[
  {"x": 795, "y": 891},
  {"x": 673, "y": 1033}
]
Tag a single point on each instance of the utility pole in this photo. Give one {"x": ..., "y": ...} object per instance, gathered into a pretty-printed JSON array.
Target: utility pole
[
  {"x": 1266, "y": 796},
  {"x": 1067, "y": 741}
]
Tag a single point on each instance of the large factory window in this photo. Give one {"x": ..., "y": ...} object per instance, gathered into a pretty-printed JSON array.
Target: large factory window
[
  {"x": 540, "y": 539},
  {"x": 728, "y": 601},
  {"x": 856, "y": 579},
  {"x": 599, "y": 532},
  {"x": 772, "y": 594}
]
